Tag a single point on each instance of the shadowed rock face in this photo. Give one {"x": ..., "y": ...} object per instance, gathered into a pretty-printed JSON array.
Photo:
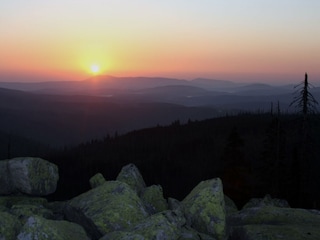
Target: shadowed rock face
[
  {"x": 33, "y": 176},
  {"x": 9, "y": 225},
  {"x": 43, "y": 229},
  {"x": 271, "y": 222},
  {"x": 127, "y": 210}
]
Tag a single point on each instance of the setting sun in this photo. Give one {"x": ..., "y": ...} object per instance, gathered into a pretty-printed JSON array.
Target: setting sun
[{"x": 95, "y": 69}]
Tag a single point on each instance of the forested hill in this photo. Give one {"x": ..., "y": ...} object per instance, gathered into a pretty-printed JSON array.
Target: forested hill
[{"x": 254, "y": 154}]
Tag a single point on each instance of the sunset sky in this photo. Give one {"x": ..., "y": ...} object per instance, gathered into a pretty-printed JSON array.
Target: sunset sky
[{"x": 239, "y": 40}]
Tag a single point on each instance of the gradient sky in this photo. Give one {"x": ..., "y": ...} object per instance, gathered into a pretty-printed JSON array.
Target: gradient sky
[{"x": 261, "y": 40}]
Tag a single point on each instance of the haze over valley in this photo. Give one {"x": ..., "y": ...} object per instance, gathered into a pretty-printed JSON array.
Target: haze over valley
[{"x": 71, "y": 112}]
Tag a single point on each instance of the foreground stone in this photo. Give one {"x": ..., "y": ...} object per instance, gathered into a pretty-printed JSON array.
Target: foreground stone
[
  {"x": 204, "y": 208},
  {"x": 109, "y": 207},
  {"x": 44, "y": 229},
  {"x": 164, "y": 225},
  {"x": 127, "y": 209},
  {"x": 270, "y": 222},
  {"x": 266, "y": 201},
  {"x": 153, "y": 199},
  {"x": 97, "y": 180},
  {"x": 33, "y": 176},
  {"x": 9, "y": 226},
  {"x": 262, "y": 232},
  {"x": 131, "y": 175}
]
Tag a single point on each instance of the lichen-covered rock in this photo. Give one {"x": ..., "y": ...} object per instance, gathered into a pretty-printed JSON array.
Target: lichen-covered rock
[
  {"x": 57, "y": 208},
  {"x": 275, "y": 216},
  {"x": 269, "y": 222},
  {"x": 24, "y": 211},
  {"x": 43, "y": 229},
  {"x": 122, "y": 235},
  {"x": 23, "y": 207},
  {"x": 191, "y": 234},
  {"x": 204, "y": 208},
  {"x": 9, "y": 226},
  {"x": 164, "y": 225},
  {"x": 9, "y": 201},
  {"x": 174, "y": 204},
  {"x": 131, "y": 175},
  {"x": 110, "y": 207},
  {"x": 6, "y": 185},
  {"x": 230, "y": 206},
  {"x": 153, "y": 199},
  {"x": 275, "y": 232},
  {"x": 33, "y": 176},
  {"x": 97, "y": 180},
  {"x": 266, "y": 201}
]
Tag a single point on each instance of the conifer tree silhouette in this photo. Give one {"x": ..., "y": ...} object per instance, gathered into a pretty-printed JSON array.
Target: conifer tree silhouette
[
  {"x": 304, "y": 100},
  {"x": 306, "y": 104}
]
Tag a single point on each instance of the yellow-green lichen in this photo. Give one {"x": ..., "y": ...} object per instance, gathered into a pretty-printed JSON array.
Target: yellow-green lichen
[
  {"x": 43, "y": 176},
  {"x": 164, "y": 225},
  {"x": 97, "y": 180},
  {"x": 275, "y": 216},
  {"x": 205, "y": 208},
  {"x": 153, "y": 198},
  {"x": 44, "y": 229},
  {"x": 111, "y": 206},
  {"x": 9, "y": 226},
  {"x": 24, "y": 211},
  {"x": 131, "y": 175}
]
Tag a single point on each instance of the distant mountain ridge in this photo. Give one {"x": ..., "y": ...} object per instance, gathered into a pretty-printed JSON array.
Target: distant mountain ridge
[
  {"x": 124, "y": 83},
  {"x": 71, "y": 112},
  {"x": 195, "y": 93}
]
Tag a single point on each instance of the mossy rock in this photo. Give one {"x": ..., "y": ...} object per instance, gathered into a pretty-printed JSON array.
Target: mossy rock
[
  {"x": 6, "y": 184},
  {"x": 204, "y": 208},
  {"x": 231, "y": 207},
  {"x": 57, "y": 208},
  {"x": 266, "y": 201},
  {"x": 131, "y": 175},
  {"x": 110, "y": 207},
  {"x": 97, "y": 180},
  {"x": 33, "y": 176},
  {"x": 43, "y": 229},
  {"x": 121, "y": 235},
  {"x": 188, "y": 233},
  {"x": 274, "y": 232},
  {"x": 274, "y": 216},
  {"x": 9, "y": 226},
  {"x": 164, "y": 225},
  {"x": 24, "y": 211},
  {"x": 153, "y": 199},
  {"x": 9, "y": 201}
]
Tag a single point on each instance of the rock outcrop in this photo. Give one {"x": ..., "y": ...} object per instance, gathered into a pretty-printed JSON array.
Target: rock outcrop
[
  {"x": 272, "y": 222},
  {"x": 204, "y": 208},
  {"x": 42, "y": 229},
  {"x": 131, "y": 175},
  {"x": 128, "y": 209},
  {"x": 33, "y": 176},
  {"x": 111, "y": 206}
]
